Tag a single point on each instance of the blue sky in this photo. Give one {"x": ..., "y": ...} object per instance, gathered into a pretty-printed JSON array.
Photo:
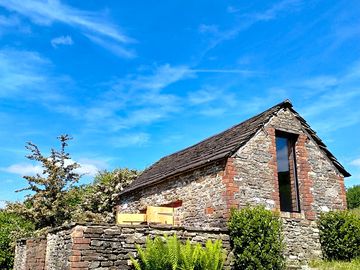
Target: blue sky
[{"x": 132, "y": 81}]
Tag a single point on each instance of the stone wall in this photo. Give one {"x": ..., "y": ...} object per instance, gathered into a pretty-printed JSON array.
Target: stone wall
[
  {"x": 20, "y": 258},
  {"x": 200, "y": 191},
  {"x": 30, "y": 254},
  {"x": 321, "y": 186},
  {"x": 58, "y": 249},
  {"x": 302, "y": 240},
  {"x": 102, "y": 246}
]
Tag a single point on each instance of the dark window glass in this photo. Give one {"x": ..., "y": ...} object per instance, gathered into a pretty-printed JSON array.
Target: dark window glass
[{"x": 286, "y": 163}]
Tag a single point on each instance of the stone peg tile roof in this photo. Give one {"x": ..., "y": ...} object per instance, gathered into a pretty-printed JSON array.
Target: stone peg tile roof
[{"x": 218, "y": 147}]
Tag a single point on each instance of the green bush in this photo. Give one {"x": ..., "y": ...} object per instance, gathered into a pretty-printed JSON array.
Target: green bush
[
  {"x": 353, "y": 197},
  {"x": 171, "y": 254},
  {"x": 257, "y": 240},
  {"x": 340, "y": 235},
  {"x": 12, "y": 227}
]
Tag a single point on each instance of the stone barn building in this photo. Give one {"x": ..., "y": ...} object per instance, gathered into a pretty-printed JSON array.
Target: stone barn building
[{"x": 273, "y": 158}]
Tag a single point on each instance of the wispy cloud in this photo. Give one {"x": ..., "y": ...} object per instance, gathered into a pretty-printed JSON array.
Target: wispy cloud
[
  {"x": 2, "y": 204},
  {"x": 87, "y": 167},
  {"x": 118, "y": 109},
  {"x": 113, "y": 47},
  {"x": 130, "y": 140},
  {"x": 212, "y": 101},
  {"x": 23, "y": 169},
  {"x": 61, "y": 40},
  {"x": 245, "y": 21},
  {"x": 355, "y": 162},
  {"x": 26, "y": 75},
  {"x": 232, "y": 9},
  {"x": 244, "y": 72},
  {"x": 87, "y": 22}
]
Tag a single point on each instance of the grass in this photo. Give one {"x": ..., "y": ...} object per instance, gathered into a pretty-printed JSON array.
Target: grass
[
  {"x": 356, "y": 211},
  {"x": 336, "y": 265}
]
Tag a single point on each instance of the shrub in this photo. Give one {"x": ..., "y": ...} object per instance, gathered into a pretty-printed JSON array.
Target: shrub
[
  {"x": 171, "y": 254},
  {"x": 12, "y": 227},
  {"x": 340, "y": 235},
  {"x": 353, "y": 197},
  {"x": 257, "y": 240}
]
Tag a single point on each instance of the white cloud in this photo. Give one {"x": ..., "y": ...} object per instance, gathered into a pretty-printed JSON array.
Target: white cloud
[
  {"x": 87, "y": 22},
  {"x": 61, "y": 40},
  {"x": 27, "y": 75},
  {"x": 87, "y": 167},
  {"x": 23, "y": 169},
  {"x": 209, "y": 28},
  {"x": 232, "y": 9},
  {"x": 9, "y": 21},
  {"x": 113, "y": 47},
  {"x": 118, "y": 109},
  {"x": 355, "y": 162},
  {"x": 137, "y": 139},
  {"x": 320, "y": 83},
  {"x": 2, "y": 204},
  {"x": 275, "y": 10},
  {"x": 203, "y": 96},
  {"x": 248, "y": 20}
]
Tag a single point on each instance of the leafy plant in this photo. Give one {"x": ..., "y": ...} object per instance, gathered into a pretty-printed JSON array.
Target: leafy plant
[
  {"x": 340, "y": 235},
  {"x": 12, "y": 227},
  {"x": 336, "y": 265},
  {"x": 99, "y": 198},
  {"x": 212, "y": 257},
  {"x": 257, "y": 239},
  {"x": 353, "y": 197},
  {"x": 171, "y": 254},
  {"x": 190, "y": 255},
  {"x": 47, "y": 207}
]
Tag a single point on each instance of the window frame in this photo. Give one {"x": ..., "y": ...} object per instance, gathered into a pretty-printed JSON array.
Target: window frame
[{"x": 291, "y": 139}]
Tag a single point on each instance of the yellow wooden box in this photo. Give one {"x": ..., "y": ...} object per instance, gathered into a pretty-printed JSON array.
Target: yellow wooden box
[
  {"x": 163, "y": 215},
  {"x": 133, "y": 219}
]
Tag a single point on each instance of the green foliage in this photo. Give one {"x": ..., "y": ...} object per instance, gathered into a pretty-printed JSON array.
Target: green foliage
[
  {"x": 340, "y": 235},
  {"x": 95, "y": 202},
  {"x": 257, "y": 239},
  {"x": 47, "y": 206},
  {"x": 356, "y": 211},
  {"x": 171, "y": 254},
  {"x": 353, "y": 197},
  {"x": 12, "y": 227},
  {"x": 55, "y": 200},
  {"x": 336, "y": 265}
]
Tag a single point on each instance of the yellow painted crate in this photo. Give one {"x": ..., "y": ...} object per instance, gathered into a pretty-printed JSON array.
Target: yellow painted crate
[
  {"x": 133, "y": 219},
  {"x": 163, "y": 215}
]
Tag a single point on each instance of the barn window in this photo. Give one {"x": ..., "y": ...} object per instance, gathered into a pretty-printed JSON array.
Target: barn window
[{"x": 287, "y": 176}]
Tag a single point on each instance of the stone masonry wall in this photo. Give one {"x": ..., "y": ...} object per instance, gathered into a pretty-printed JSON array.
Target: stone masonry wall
[
  {"x": 106, "y": 247},
  {"x": 200, "y": 192},
  {"x": 20, "y": 258},
  {"x": 321, "y": 186},
  {"x": 58, "y": 249},
  {"x": 30, "y": 254}
]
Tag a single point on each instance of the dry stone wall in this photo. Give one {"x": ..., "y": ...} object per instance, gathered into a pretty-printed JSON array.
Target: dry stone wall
[{"x": 102, "y": 247}]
